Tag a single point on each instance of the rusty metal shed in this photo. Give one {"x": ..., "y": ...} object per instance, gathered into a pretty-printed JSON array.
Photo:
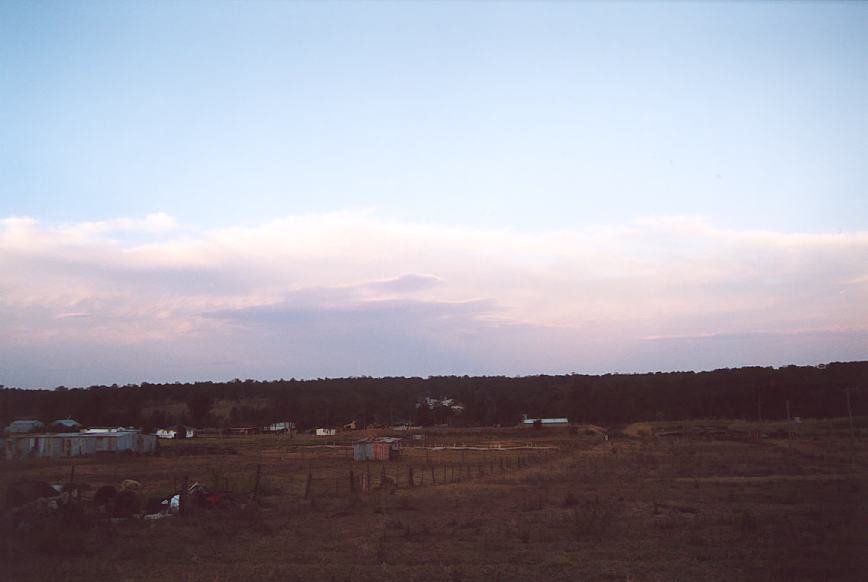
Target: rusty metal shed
[
  {"x": 75, "y": 444},
  {"x": 377, "y": 449}
]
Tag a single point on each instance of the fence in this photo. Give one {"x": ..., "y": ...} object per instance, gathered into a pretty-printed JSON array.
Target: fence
[{"x": 409, "y": 473}]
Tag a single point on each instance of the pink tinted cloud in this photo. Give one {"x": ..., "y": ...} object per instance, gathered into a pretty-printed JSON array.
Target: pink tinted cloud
[{"x": 322, "y": 292}]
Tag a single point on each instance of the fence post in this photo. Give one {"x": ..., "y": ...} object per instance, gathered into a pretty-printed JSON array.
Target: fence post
[
  {"x": 256, "y": 483},
  {"x": 352, "y": 483},
  {"x": 182, "y": 498},
  {"x": 433, "y": 480},
  {"x": 307, "y": 482},
  {"x": 410, "y": 477}
]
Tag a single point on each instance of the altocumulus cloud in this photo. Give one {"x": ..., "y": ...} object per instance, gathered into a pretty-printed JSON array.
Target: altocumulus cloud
[{"x": 348, "y": 293}]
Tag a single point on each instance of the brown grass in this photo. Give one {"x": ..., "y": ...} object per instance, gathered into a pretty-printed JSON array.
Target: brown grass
[{"x": 660, "y": 509}]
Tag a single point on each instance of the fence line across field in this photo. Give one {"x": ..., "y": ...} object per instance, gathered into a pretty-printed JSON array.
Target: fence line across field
[{"x": 369, "y": 476}]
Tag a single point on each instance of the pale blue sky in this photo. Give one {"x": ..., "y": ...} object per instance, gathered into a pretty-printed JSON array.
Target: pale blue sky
[
  {"x": 195, "y": 190},
  {"x": 526, "y": 115}
]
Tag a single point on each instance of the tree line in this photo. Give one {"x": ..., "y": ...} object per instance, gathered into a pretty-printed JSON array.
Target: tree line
[{"x": 749, "y": 392}]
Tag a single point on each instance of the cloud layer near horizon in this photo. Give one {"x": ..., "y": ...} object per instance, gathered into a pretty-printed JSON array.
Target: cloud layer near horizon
[{"x": 349, "y": 293}]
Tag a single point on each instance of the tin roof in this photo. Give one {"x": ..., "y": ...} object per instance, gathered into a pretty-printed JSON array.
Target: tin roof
[
  {"x": 546, "y": 420},
  {"x": 23, "y": 425}
]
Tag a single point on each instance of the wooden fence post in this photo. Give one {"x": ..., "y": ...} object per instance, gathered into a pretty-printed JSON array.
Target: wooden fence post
[
  {"x": 352, "y": 483},
  {"x": 307, "y": 482},
  {"x": 256, "y": 483},
  {"x": 410, "y": 477},
  {"x": 182, "y": 498}
]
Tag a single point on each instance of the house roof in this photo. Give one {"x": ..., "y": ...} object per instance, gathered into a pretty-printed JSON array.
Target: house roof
[{"x": 67, "y": 422}]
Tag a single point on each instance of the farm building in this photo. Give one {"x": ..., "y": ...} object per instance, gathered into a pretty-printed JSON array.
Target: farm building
[
  {"x": 377, "y": 449},
  {"x": 18, "y": 426},
  {"x": 326, "y": 432},
  {"x": 279, "y": 427},
  {"x": 74, "y": 444},
  {"x": 105, "y": 429},
  {"x": 243, "y": 430},
  {"x": 172, "y": 433},
  {"x": 66, "y": 424},
  {"x": 525, "y": 421}
]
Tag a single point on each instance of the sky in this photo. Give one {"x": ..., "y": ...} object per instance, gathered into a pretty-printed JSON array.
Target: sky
[{"x": 210, "y": 190}]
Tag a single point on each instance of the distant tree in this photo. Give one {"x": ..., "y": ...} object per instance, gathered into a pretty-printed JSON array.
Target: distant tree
[
  {"x": 423, "y": 415},
  {"x": 199, "y": 408}
]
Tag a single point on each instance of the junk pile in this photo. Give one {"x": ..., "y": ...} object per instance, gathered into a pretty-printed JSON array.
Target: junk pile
[
  {"x": 27, "y": 500},
  {"x": 29, "y": 503},
  {"x": 197, "y": 497}
]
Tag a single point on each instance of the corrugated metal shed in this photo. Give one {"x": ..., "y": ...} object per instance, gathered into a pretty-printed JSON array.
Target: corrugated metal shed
[
  {"x": 24, "y": 425},
  {"x": 546, "y": 421},
  {"x": 67, "y": 423},
  {"x": 363, "y": 451},
  {"x": 377, "y": 449},
  {"x": 147, "y": 444},
  {"x": 73, "y": 444}
]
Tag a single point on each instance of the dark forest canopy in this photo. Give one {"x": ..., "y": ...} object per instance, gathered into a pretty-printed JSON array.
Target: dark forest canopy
[{"x": 750, "y": 392}]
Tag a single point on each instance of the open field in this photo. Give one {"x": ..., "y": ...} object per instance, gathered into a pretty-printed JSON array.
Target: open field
[{"x": 708, "y": 502}]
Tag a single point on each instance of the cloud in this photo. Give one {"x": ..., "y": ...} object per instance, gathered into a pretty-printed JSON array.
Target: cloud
[
  {"x": 406, "y": 283},
  {"x": 157, "y": 222},
  {"x": 352, "y": 293}
]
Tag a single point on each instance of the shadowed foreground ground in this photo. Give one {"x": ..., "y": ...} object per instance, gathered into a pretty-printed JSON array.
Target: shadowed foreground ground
[{"x": 633, "y": 508}]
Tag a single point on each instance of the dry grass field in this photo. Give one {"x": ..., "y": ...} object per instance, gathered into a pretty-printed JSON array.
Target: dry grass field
[{"x": 707, "y": 502}]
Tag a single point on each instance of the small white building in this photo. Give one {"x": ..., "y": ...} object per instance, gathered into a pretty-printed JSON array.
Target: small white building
[
  {"x": 526, "y": 421},
  {"x": 280, "y": 427},
  {"x": 171, "y": 433},
  {"x": 326, "y": 432}
]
